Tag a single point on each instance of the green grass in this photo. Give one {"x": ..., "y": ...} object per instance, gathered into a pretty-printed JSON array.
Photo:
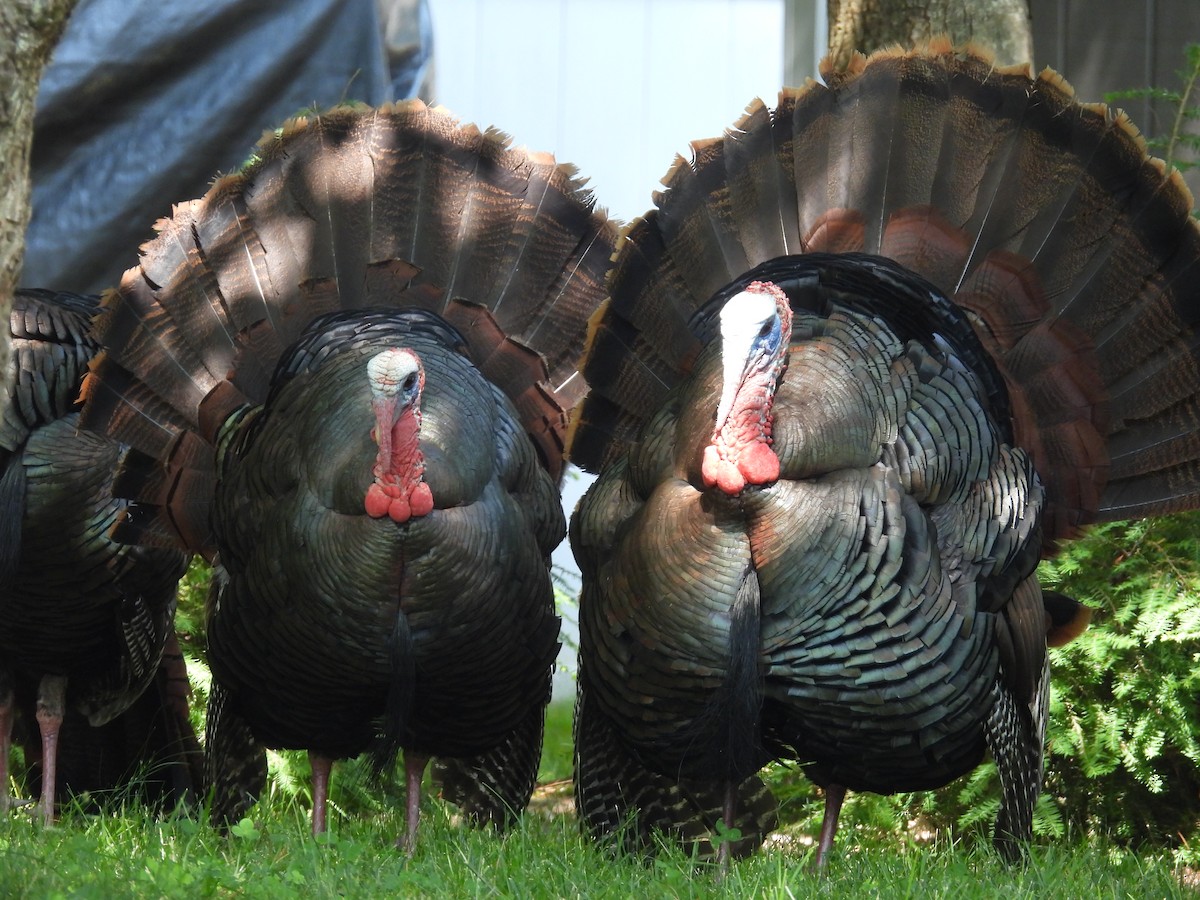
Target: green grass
[{"x": 128, "y": 853}]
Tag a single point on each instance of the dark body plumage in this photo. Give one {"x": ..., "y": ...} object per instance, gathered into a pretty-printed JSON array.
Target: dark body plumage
[
  {"x": 85, "y": 619},
  {"x": 246, "y": 356},
  {"x": 992, "y": 295}
]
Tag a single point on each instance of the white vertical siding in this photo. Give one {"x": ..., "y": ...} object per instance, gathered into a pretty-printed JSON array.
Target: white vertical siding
[{"x": 617, "y": 87}]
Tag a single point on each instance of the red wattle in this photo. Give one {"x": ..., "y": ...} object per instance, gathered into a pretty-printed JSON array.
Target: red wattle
[
  {"x": 758, "y": 463},
  {"x": 717, "y": 471},
  {"x": 421, "y": 500},
  {"x": 729, "y": 479},
  {"x": 377, "y": 502},
  {"x": 710, "y": 466},
  {"x": 399, "y": 510}
]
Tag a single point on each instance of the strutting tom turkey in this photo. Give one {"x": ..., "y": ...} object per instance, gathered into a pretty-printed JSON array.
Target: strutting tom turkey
[
  {"x": 349, "y": 369},
  {"x": 84, "y": 620},
  {"x": 875, "y": 352},
  {"x": 149, "y": 753}
]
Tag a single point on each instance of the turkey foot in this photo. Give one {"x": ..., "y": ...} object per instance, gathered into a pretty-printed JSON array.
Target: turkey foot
[{"x": 51, "y": 702}]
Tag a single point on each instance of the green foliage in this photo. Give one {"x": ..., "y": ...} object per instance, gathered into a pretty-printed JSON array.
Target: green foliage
[
  {"x": 1178, "y": 145},
  {"x": 725, "y": 834},
  {"x": 557, "y": 747},
  {"x": 1124, "y": 739},
  {"x": 189, "y": 627},
  {"x": 245, "y": 831},
  {"x": 566, "y": 601},
  {"x": 189, "y": 612}
]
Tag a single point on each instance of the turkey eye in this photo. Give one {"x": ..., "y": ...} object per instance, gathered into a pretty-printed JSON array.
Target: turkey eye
[
  {"x": 766, "y": 328},
  {"x": 410, "y": 382}
]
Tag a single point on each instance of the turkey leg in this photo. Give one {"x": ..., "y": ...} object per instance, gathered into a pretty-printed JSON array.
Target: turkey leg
[
  {"x": 6, "y": 722},
  {"x": 51, "y": 703},
  {"x": 834, "y": 795},
  {"x": 724, "y": 852},
  {"x": 414, "y": 771},
  {"x": 321, "y": 767}
]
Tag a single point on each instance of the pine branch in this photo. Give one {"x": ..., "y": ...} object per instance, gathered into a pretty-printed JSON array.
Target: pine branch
[{"x": 1189, "y": 76}]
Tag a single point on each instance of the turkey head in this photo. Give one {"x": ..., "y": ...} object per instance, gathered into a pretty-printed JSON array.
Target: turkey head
[
  {"x": 397, "y": 380},
  {"x": 756, "y": 327}
]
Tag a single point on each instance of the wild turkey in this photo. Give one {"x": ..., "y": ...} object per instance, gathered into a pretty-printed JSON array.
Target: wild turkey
[
  {"x": 85, "y": 619},
  {"x": 148, "y": 754},
  {"x": 349, "y": 368},
  {"x": 874, "y": 352}
]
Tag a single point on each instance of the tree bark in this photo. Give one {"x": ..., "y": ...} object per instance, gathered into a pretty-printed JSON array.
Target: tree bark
[
  {"x": 29, "y": 29},
  {"x": 1000, "y": 26}
]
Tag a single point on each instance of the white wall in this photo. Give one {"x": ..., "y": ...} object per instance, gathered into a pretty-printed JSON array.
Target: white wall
[{"x": 616, "y": 87}]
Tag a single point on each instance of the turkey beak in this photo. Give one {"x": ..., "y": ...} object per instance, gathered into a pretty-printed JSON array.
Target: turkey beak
[
  {"x": 389, "y": 409},
  {"x": 387, "y": 412},
  {"x": 737, "y": 361}
]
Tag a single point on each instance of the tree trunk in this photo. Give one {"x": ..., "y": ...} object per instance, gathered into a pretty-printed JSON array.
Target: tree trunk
[
  {"x": 29, "y": 29},
  {"x": 1001, "y": 26}
]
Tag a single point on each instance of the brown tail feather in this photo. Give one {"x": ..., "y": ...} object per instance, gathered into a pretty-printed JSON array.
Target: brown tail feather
[
  {"x": 701, "y": 234},
  {"x": 755, "y": 180},
  {"x": 1070, "y": 248},
  {"x": 120, "y": 403},
  {"x": 395, "y": 207}
]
